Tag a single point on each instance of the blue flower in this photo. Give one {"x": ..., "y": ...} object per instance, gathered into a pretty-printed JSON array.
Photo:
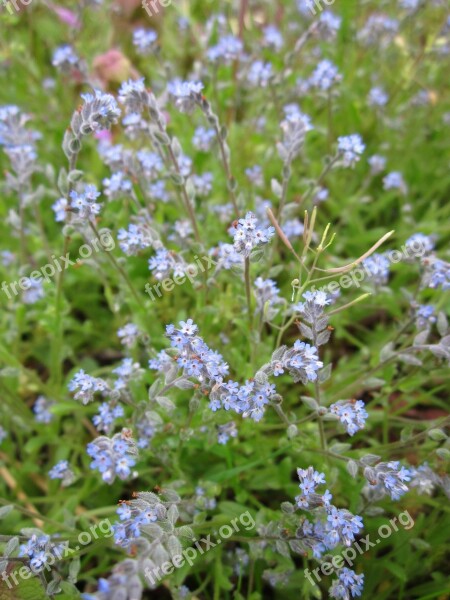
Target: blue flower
[
  {"x": 377, "y": 164},
  {"x": 272, "y": 37},
  {"x": 62, "y": 471},
  {"x": 388, "y": 478},
  {"x": 117, "y": 186},
  {"x": 114, "y": 456},
  {"x": 65, "y": 59},
  {"x": 99, "y": 111},
  {"x": 128, "y": 334},
  {"x": 248, "y": 236},
  {"x": 352, "y": 414},
  {"x": 157, "y": 190},
  {"x": 145, "y": 40},
  {"x": 439, "y": 275},
  {"x": 377, "y": 97},
  {"x": 377, "y": 269},
  {"x": 185, "y": 93},
  {"x": 395, "y": 181},
  {"x": 83, "y": 205},
  {"x": 202, "y": 184},
  {"x": 150, "y": 163},
  {"x": 86, "y": 386},
  {"x": 350, "y": 147},
  {"x": 203, "y": 139},
  {"x": 107, "y": 416},
  {"x": 228, "y": 50},
  {"x": 325, "y": 76},
  {"x": 33, "y": 291},
  {"x": 259, "y": 74},
  {"x": 41, "y": 410}
]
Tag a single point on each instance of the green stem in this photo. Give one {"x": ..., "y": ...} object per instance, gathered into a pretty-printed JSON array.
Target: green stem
[
  {"x": 120, "y": 270},
  {"x": 248, "y": 289}
]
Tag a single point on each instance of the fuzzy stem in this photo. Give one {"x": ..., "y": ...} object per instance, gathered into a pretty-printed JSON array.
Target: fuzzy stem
[{"x": 248, "y": 289}]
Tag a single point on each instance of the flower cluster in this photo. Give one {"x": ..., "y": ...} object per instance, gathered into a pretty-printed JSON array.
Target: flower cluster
[
  {"x": 301, "y": 361},
  {"x": 41, "y": 410},
  {"x": 3, "y": 434},
  {"x": 267, "y": 296},
  {"x": 228, "y": 49},
  {"x": 185, "y": 94},
  {"x": 127, "y": 370},
  {"x": 226, "y": 256},
  {"x": 379, "y": 29},
  {"x": 117, "y": 186},
  {"x": 99, "y": 111},
  {"x": 194, "y": 356},
  {"x": 350, "y": 147},
  {"x": 377, "y": 268},
  {"x": 249, "y": 400},
  {"x": 388, "y": 478},
  {"x": 40, "y": 549},
  {"x": 146, "y": 426},
  {"x": 134, "y": 239},
  {"x": 113, "y": 457},
  {"x": 166, "y": 263},
  {"x": 149, "y": 522},
  {"x": 83, "y": 204},
  {"x": 133, "y": 516},
  {"x": 62, "y": 471},
  {"x": 351, "y": 414},
  {"x": 314, "y": 323},
  {"x": 329, "y": 24},
  {"x": 203, "y": 139},
  {"x": 294, "y": 127},
  {"x": 134, "y": 96},
  {"x": 13, "y": 133},
  {"x": 377, "y": 97},
  {"x": 124, "y": 582},
  {"x": 145, "y": 40},
  {"x": 226, "y": 431},
  {"x": 439, "y": 274},
  {"x": 419, "y": 242},
  {"x": 272, "y": 37},
  {"x": 259, "y": 74},
  {"x": 202, "y": 184},
  {"x": 395, "y": 181},
  {"x": 425, "y": 480},
  {"x": 128, "y": 334},
  {"x": 425, "y": 316},
  {"x": 85, "y": 386},
  {"x": 340, "y": 525},
  {"x": 150, "y": 163},
  {"x": 33, "y": 292},
  {"x": 247, "y": 235},
  {"x": 377, "y": 164},
  {"x": 347, "y": 584},
  {"x": 66, "y": 60},
  {"x": 107, "y": 415},
  {"x": 325, "y": 76}
]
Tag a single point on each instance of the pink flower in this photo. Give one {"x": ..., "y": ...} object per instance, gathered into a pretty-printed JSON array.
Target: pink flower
[
  {"x": 66, "y": 16},
  {"x": 113, "y": 66},
  {"x": 103, "y": 135}
]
